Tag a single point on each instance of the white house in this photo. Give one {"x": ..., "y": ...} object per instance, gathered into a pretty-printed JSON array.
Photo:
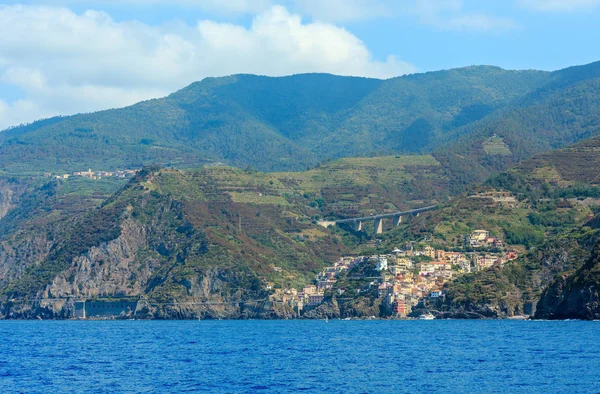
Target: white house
[{"x": 382, "y": 264}]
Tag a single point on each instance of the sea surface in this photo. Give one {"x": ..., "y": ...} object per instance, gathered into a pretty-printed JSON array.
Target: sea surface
[{"x": 444, "y": 356}]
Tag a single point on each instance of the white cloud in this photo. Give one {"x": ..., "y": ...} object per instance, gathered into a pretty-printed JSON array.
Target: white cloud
[
  {"x": 297, "y": 47},
  {"x": 215, "y": 6},
  {"x": 25, "y": 78},
  {"x": 559, "y": 5},
  {"x": 345, "y": 10},
  {"x": 19, "y": 112},
  {"x": 480, "y": 22},
  {"x": 451, "y": 15},
  {"x": 64, "y": 62},
  {"x": 221, "y": 6},
  {"x": 442, "y": 14}
]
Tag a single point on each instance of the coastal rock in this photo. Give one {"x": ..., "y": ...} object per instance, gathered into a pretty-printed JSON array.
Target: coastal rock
[
  {"x": 328, "y": 309},
  {"x": 110, "y": 269},
  {"x": 359, "y": 307},
  {"x": 575, "y": 295},
  {"x": 468, "y": 312}
]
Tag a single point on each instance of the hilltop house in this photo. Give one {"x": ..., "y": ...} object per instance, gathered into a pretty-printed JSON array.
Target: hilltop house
[
  {"x": 478, "y": 237},
  {"x": 382, "y": 264}
]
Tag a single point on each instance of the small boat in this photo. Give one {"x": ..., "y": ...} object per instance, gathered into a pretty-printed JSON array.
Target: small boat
[{"x": 427, "y": 316}]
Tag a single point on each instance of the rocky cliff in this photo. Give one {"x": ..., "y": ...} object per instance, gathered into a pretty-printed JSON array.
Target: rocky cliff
[
  {"x": 6, "y": 198},
  {"x": 160, "y": 241},
  {"x": 341, "y": 308},
  {"x": 11, "y": 190},
  {"x": 575, "y": 295}
]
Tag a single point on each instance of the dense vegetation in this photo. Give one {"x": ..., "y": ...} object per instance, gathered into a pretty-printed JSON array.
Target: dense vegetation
[
  {"x": 243, "y": 226},
  {"x": 298, "y": 121}
]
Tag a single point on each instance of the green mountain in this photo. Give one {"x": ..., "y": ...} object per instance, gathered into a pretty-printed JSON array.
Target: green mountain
[
  {"x": 213, "y": 237},
  {"x": 474, "y": 120},
  {"x": 294, "y": 122},
  {"x": 560, "y": 112}
]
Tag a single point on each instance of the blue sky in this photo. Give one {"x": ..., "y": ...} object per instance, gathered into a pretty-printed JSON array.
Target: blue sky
[{"x": 70, "y": 56}]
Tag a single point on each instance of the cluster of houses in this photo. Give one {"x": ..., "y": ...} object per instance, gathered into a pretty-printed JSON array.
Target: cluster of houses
[
  {"x": 482, "y": 239},
  {"x": 312, "y": 295},
  {"x": 408, "y": 276},
  {"x": 403, "y": 277},
  {"x": 95, "y": 174}
]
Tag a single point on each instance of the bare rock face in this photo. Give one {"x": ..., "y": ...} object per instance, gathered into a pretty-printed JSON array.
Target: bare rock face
[
  {"x": 121, "y": 268},
  {"x": 147, "y": 262},
  {"x": 333, "y": 308},
  {"x": 329, "y": 309},
  {"x": 574, "y": 296},
  {"x": 110, "y": 269},
  {"x": 19, "y": 252},
  {"x": 6, "y": 198},
  {"x": 361, "y": 307}
]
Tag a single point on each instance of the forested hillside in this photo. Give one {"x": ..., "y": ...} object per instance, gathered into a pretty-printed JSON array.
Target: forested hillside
[
  {"x": 574, "y": 295},
  {"x": 222, "y": 233},
  {"x": 563, "y": 111},
  {"x": 294, "y": 122},
  {"x": 474, "y": 120}
]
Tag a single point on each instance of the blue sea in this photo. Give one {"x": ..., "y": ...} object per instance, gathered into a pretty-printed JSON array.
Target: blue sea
[{"x": 299, "y": 356}]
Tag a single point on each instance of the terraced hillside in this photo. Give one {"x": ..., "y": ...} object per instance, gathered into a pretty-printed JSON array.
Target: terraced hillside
[
  {"x": 546, "y": 209},
  {"x": 575, "y": 165},
  {"x": 208, "y": 236},
  {"x": 214, "y": 236}
]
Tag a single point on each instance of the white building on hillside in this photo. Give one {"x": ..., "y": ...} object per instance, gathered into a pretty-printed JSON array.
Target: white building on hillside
[{"x": 382, "y": 264}]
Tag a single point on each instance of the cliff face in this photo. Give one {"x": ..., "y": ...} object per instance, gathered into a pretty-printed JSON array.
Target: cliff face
[
  {"x": 10, "y": 192},
  {"x": 6, "y": 198},
  {"x": 148, "y": 261},
  {"x": 146, "y": 252},
  {"x": 334, "y": 308},
  {"x": 162, "y": 242},
  {"x": 575, "y": 295},
  {"x": 19, "y": 251},
  {"x": 110, "y": 269}
]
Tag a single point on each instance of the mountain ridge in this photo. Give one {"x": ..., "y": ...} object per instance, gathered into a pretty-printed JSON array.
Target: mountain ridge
[{"x": 296, "y": 121}]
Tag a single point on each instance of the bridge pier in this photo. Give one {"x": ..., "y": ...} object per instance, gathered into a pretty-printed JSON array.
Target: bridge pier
[
  {"x": 397, "y": 221},
  {"x": 357, "y": 225},
  {"x": 378, "y": 224}
]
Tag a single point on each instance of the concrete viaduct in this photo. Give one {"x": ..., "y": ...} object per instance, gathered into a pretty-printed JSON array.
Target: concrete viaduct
[{"x": 357, "y": 223}]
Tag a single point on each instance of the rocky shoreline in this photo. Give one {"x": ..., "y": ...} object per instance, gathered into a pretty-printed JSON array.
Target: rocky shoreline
[{"x": 326, "y": 311}]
